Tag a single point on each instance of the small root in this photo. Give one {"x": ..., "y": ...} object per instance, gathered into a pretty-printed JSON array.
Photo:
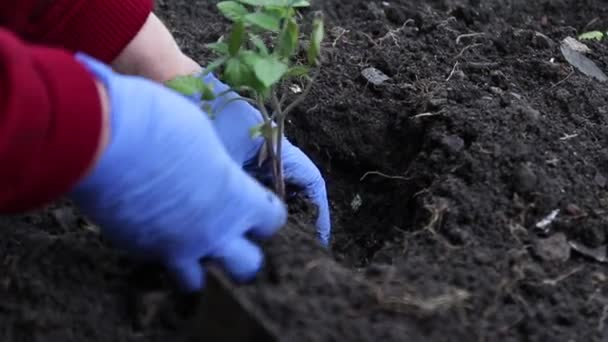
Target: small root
[
  {"x": 568, "y": 137},
  {"x": 557, "y": 280},
  {"x": 468, "y": 35},
  {"x": 408, "y": 303},
  {"x": 514, "y": 229},
  {"x": 378, "y": 173},
  {"x": 563, "y": 80},
  {"x": 446, "y": 25},
  {"x": 392, "y": 33},
  {"x": 340, "y": 32},
  {"x": 452, "y": 72},
  {"x": 427, "y": 114},
  {"x": 437, "y": 212},
  {"x": 466, "y": 48}
]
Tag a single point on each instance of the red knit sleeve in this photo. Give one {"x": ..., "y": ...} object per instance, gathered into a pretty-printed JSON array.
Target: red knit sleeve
[
  {"x": 100, "y": 28},
  {"x": 50, "y": 123}
]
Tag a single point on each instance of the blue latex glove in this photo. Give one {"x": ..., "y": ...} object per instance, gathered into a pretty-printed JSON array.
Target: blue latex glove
[
  {"x": 165, "y": 190},
  {"x": 233, "y": 125}
]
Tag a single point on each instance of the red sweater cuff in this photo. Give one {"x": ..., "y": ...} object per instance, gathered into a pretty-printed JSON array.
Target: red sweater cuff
[
  {"x": 49, "y": 163},
  {"x": 100, "y": 28}
]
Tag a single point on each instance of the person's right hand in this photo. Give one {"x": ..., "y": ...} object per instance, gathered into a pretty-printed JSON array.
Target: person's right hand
[{"x": 165, "y": 189}]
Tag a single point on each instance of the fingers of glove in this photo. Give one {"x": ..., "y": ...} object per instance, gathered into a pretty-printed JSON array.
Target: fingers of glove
[
  {"x": 302, "y": 172},
  {"x": 240, "y": 258},
  {"x": 269, "y": 213},
  {"x": 323, "y": 224},
  {"x": 188, "y": 274}
]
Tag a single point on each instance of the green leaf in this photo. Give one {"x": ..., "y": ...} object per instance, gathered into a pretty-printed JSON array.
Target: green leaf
[
  {"x": 238, "y": 73},
  {"x": 297, "y": 71},
  {"x": 276, "y": 3},
  {"x": 215, "y": 64},
  {"x": 236, "y": 38},
  {"x": 299, "y": 3},
  {"x": 269, "y": 70},
  {"x": 187, "y": 85},
  {"x": 264, "y": 3},
  {"x": 218, "y": 47},
  {"x": 318, "y": 31},
  {"x": 278, "y": 11},
  {"x": 288, "y": 40},
  {"x": 596, "y": 35},
  {"x": 264, "y": 20},
  {"x": 250, "y": 59},
  {"x": 232, "y": 10},
  {"x": 259, "y": 44}
]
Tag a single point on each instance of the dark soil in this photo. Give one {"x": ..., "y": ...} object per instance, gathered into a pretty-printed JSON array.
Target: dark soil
[{"x": 437, "y": 178}]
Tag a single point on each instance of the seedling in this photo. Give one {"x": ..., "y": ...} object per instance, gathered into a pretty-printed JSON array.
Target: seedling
[
  {"x": 251, "y": 66},
  {"x": 592, "y": 35}
]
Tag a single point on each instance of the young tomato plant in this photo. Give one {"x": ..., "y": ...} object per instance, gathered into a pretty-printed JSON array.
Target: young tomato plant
[{"x": 251, "y": 66}]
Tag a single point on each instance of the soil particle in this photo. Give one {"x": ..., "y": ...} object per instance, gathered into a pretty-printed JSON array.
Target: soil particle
[
  {"x": 525, "y": 179},
  {"x": 443, "y": 246},
  {"x": 553, "y": 248}
]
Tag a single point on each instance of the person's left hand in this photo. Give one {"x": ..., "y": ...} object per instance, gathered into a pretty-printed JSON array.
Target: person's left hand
[{"x": 233, "y": 124}]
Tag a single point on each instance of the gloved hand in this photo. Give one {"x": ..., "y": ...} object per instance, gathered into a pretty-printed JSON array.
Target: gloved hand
[
  {"x": 165, "y": 189},
  {"x": 233, "y": 125}
]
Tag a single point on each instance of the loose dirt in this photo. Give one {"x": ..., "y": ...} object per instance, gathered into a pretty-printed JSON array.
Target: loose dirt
[{"x": 437, "y": 178}]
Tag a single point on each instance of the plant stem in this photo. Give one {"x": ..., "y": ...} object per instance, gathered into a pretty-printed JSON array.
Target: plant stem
[
  {"x": 225, "y": 104},
  {"x": 279, "y": 180},
  {"x": 275, "y": 160},
  {"x": 262, "y": 107},
  {"x": 302, "y": 96}
]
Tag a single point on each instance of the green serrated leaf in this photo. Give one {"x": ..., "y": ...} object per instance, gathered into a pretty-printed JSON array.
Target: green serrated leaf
[
  {"x": 316, "y": 37},
  {"x": 269, "y": 70},
  {"x": 259, "y": 44},
  {"x": 238, "y": 73},
  {"x": 593, "y": 35},
  {"x": 232, "y": 10},
  {"x": 250, "y": 59},
  {"x": 236, "y": 39},
  {"x": 297, "y": 71},
  {"x": 288, "y": 39},
  {"x": 235, "y": 72},
  {"x": 186, "y": 85},
  {"x": 264, "y": 20},
  {"x": 218, "y": 47}
]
